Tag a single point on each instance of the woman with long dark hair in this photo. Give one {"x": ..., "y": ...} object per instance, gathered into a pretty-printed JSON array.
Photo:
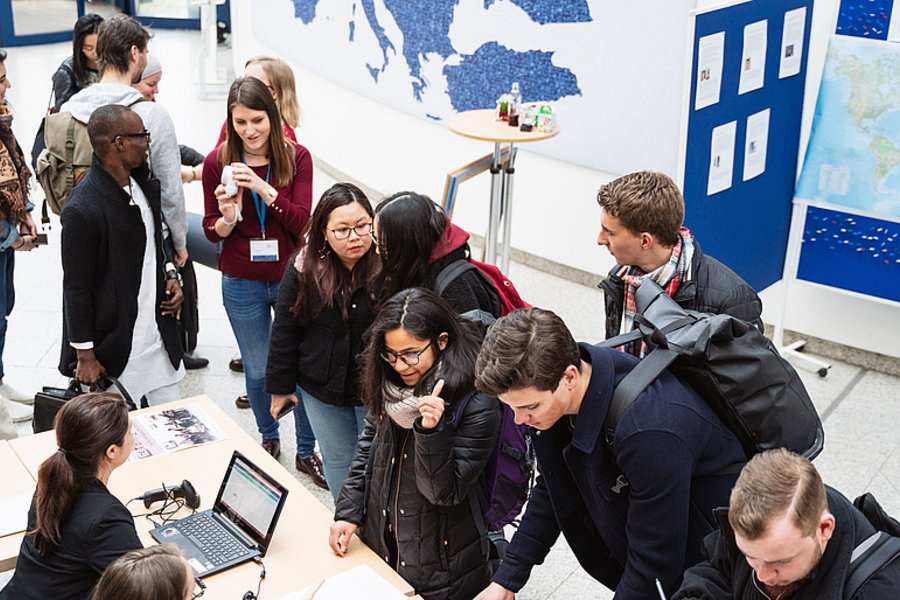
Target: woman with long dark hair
[
  {"x": 417, "y": 241},
  {"x": 79, "y": 70},
  {"x": 259, "y": 224},
  {"x": 410, "y": 488},
  {"x": 76, "y": 527},
  {"x": 323, "y": 309}
]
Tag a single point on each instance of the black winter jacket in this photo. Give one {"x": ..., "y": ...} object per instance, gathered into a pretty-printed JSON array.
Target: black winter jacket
[
  {"x": 713, "y": 288},
  {"x": 725, "y": 574},
  {"x": 408, "y": 490},
  {"x": 467, "y": 292},
  {"x": 66, "y": 84},
  {"x": 320, "y": 355},
  {"x": 103, "y": 244}
]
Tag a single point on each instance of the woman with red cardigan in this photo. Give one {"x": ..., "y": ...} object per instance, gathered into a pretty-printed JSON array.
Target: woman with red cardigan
[{"x": 259, "y": 227}]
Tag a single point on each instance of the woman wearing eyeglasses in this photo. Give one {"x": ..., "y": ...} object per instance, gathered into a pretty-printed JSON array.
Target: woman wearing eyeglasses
[
  {"x": 323, "y": 309},
  {"x": 155, "y": 573},
  {"x": 259, "y": 227},
  {"x": 417, "y": 462}
]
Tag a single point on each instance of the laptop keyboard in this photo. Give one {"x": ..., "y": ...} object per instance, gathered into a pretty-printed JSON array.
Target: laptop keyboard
[{"x": 219, "y": 545}]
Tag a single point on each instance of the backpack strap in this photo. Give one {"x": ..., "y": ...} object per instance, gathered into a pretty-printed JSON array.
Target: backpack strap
[
  {"x": 868, "y": 558},
  {"x": 632, "y": 385},
  {"x": 449, "y": 273},
  {"x": 70, "y": 156}
]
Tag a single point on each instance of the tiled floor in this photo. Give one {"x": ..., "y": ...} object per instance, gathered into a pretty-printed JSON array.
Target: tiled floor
[{"x": 862, "y": 408}]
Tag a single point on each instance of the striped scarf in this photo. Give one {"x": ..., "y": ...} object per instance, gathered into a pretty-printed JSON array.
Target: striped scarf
[{"x": 669, "y": 276}]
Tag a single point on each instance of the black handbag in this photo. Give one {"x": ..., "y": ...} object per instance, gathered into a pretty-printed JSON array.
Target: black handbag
[{"x": 48, "y": 401}]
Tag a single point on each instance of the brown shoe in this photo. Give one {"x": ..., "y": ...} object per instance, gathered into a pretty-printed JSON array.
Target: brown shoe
[
  {"x": 242, "y": 401},
  {"x": 312, "y": 466},
  {"x": 273, "y": 447},
  {"x": 236, "y": 365}
]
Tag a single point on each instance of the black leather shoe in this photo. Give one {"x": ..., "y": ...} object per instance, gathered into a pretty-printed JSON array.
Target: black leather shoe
[
  {"x": 194, "y": 362},
  {"x": 242, "y": 401},
  {"x": 312, "y": 466},
  {"x": 273, "y": 447},
  {"x": 236, "y": 365}
]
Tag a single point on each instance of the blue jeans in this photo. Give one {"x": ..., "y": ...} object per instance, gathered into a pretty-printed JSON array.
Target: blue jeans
[
  {"x": 7, "y": 296},
  {"x": 249, "y": 304},
  {"x": 337, "y": 428}
]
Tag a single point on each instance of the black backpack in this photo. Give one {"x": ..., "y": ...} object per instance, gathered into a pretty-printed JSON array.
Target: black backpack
[
  {"x": 876, "y": 552},
  {"x": 730, "y": 364}
]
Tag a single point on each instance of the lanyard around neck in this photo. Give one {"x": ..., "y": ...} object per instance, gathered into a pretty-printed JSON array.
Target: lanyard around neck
[{"x": 260, "y": 205}]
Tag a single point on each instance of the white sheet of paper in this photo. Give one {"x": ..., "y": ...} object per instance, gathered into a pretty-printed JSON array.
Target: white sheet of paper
[
  {"x": 792, "y": 42},
  {"x": 359, "y": 582},
  {"x": 756, "y": 144},
  {"x": 894, "y": 26},
  {"x": 753, "y": 60},
  {"x": 721, "y": 158},
  {"x": 709, "y": 69},
  {"x": 14, "y": 513}
]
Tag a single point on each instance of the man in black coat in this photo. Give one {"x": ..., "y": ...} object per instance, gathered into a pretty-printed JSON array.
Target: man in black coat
[
  {"x": 631, "y": 513},
  {"x": 785, "y": 535},
  {"x": 121, "y": 298},
  {"x": 641, "y": 217}
]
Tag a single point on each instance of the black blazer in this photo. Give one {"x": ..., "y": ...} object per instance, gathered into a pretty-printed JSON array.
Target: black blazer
[
  {"x": 320, "y": 355},
  {"x": 103, "y": 244},
  {"x": 98, "y": 531}
]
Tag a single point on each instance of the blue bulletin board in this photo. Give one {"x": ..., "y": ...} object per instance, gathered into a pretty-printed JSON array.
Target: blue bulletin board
[{"x": 746, "y": 225}]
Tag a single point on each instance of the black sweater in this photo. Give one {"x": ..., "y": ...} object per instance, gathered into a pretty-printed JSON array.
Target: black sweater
[
  {"x": 97, "y": 531},
  {"x": 320, "y": 355},
  {"x": 103, "y": 245}
]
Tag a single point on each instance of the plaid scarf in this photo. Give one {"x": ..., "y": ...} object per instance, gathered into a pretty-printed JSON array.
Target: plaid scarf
[
  {"x": 14, "y": 172},
  {"x": 669, "y": 276}
]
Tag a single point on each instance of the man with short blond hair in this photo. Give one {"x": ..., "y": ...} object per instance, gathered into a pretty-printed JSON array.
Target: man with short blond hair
[
  {"x": 785, "y": 536},
  {"x": 641, "y": 216}
]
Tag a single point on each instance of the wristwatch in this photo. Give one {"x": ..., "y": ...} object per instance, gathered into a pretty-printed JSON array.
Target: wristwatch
[{"x": 271, "y": 193}]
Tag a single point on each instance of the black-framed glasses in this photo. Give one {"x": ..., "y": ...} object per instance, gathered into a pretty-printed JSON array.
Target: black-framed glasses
[
  {"x": 143, "y": 134},
  {"x": 409, "y": 358},
  {"x": 361, "y": 230},
  {"x": 199, "y": 588}
]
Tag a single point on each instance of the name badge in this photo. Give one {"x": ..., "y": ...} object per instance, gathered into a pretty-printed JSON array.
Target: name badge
[{"x": 263, "y": 250}]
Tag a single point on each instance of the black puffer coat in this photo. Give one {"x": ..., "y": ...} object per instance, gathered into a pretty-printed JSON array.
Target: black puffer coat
[
  {"x": 713, "y": 288},
  {"x": 408, "y": 490}
]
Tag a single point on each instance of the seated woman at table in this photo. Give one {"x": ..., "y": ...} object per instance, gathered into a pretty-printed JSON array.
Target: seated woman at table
[
  {"x": 154, "y": 573},
  {"x": 324, "y": 307},
  {"x": 405, "y": 224},
  {"x": 407, "y": 492},
  {"x": 76, "y": 527}
]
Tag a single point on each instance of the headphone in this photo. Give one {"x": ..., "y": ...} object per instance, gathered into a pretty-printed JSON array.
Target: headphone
[{"x": 185, "y": 490}]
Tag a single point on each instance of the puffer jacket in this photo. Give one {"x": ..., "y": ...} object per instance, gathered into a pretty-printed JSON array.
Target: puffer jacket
[
  {"x": 409, "y": 491},
  {"x": 713, "y": 288}
]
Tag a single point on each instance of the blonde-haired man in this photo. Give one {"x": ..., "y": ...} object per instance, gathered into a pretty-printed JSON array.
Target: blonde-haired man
[{"x": 785, "y": 536}]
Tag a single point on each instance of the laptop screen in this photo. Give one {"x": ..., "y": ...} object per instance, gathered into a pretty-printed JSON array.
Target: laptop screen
[{"x": 250, "y": 499}]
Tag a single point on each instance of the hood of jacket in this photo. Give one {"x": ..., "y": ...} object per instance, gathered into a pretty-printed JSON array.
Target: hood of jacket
[
  {"x": 452, "y": 239},
  {"x": 83, "y": 104}
]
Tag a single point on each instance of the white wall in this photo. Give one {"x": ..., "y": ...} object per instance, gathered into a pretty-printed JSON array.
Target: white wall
[{"x": 555, "y": 215}]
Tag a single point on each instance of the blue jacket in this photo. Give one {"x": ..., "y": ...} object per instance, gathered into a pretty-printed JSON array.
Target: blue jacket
[{"x": 669, "y": 445}]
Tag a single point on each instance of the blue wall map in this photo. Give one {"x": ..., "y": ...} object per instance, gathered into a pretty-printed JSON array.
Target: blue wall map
[
  {"x": 479, "y": 77},
  {"x": 614, "y": 71}
]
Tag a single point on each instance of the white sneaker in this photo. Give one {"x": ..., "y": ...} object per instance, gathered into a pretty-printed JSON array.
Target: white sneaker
[
  {"x": 19, "y": 413},
  {"x": 11, "y": 393}
]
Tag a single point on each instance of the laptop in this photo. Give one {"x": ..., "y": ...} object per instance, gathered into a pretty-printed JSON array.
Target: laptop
[{"x": 239, "y": 526}]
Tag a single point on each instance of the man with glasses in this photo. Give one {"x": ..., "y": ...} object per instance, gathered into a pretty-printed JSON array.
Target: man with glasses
[{"x": 121, "y": 297}]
